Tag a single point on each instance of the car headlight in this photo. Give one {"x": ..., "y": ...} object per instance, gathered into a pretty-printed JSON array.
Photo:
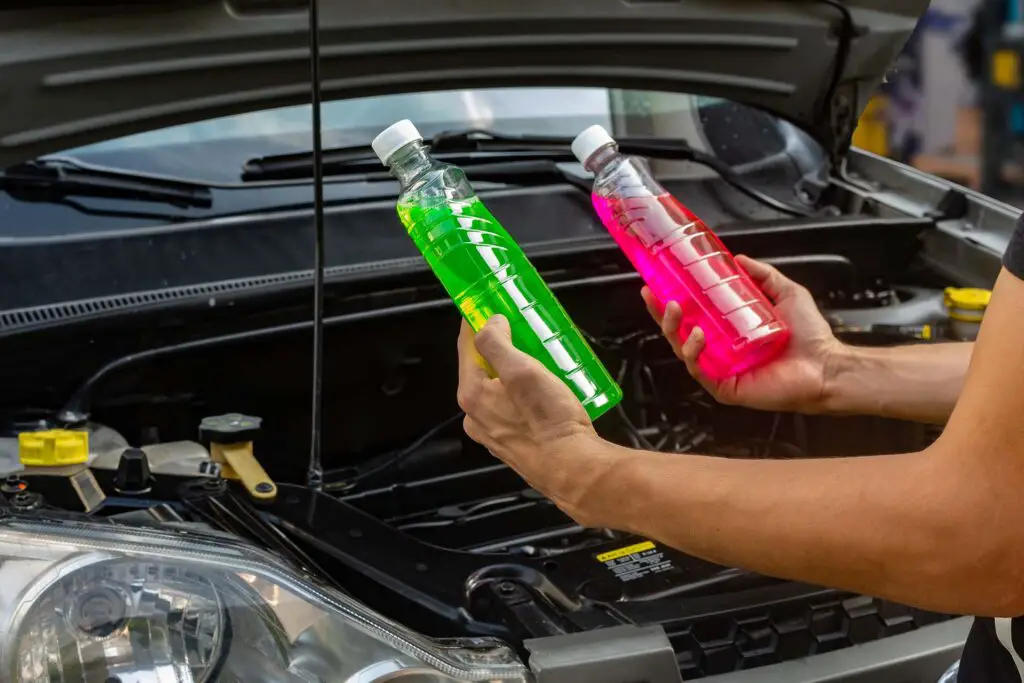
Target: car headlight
[{"x": 98, "y": 603}]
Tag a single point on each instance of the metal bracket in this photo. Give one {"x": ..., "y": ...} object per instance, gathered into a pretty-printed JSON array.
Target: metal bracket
[
  {"x": 842, "y": 120},
  {"x": 620, "y": 654}
]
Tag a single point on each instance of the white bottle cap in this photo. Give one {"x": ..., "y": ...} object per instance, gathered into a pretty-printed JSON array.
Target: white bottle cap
[
  {"x": 393, "y": 138},
  {"x": 589, "y": 141}
]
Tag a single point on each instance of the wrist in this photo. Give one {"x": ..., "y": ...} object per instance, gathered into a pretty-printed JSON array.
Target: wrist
[
  {"x": 583, "y": 471},
  {"x": 840, "y": 395}
]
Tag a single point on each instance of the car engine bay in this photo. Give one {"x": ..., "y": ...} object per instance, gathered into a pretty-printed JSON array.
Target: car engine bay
[{"x": 416, "y": 520}]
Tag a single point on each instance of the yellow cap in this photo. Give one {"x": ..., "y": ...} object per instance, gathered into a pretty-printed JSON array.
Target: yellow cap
[
  {"x": 967, "y": 304},
  {"x": 53, "y": 448},
  {"x": 968, "y": 299}
]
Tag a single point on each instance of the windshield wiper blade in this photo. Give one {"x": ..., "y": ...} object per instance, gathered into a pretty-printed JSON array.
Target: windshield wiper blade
[
  {"x": 484, "y": 145},
  {"x": 478, "y": 146},
  {"x": 470, "y": 147},
  {"x": 484, "y": 140},
  {"x": 57, "y": 178},
  {"x": 481, "y": 140},
  {"x": 451, "y": 147}
]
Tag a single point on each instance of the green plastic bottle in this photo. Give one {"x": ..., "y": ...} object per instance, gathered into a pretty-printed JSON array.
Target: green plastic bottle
[{"x": 483, "y": 269}]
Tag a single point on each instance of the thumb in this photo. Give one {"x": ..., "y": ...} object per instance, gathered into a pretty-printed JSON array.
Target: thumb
[
  {"x": 773, "y": 283},
  {"x": 494, "y": 343},
  {"x": 524, "y": 377}
]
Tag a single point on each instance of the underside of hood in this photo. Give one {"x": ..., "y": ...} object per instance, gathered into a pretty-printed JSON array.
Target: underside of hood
[{"x": 77, "y": 75}]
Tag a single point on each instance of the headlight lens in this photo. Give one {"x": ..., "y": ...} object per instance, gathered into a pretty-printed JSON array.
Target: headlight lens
[
  {"x": 123, "y": 621},
  {"x": 95, "y": 603}
]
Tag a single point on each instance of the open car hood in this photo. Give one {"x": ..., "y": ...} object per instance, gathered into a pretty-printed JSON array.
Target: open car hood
[{"x": 76, "y": 75}]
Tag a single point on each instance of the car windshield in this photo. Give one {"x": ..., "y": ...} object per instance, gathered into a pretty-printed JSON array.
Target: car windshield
[{"x": 214, "y": 150}]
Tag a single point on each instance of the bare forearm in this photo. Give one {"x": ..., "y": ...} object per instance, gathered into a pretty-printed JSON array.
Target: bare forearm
[
  {"x": 920, "y": 382},
  {"x": 873, "y": 525}
]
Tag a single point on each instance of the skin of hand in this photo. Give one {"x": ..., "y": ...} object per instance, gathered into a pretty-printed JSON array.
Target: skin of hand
[
  {"x": 797, "y": 380},
  {"x": 528, "y": 418},
  {"x": 936, "y": 529}
]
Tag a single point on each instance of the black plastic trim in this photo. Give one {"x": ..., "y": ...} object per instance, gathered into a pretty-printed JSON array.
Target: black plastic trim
[
  {"x": 920, "y": 656},
  {"x": 580, "y": 233}
]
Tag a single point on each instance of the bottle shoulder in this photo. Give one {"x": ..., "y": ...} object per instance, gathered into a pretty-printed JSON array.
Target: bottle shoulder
[
  {"x": 438, "y": 181},
  {"x": 626, "y": 175}
]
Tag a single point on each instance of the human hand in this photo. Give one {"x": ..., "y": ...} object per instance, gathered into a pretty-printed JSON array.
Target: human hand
[
  {"x": 528, "y": 418},
  {"x": 796, "y": 380}
]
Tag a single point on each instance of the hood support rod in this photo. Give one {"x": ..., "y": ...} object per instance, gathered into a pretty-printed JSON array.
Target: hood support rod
[{"x": 315, "y": 473}]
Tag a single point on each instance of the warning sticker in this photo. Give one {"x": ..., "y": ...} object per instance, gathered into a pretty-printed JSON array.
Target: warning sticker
[{"x": 635, "y": 561}]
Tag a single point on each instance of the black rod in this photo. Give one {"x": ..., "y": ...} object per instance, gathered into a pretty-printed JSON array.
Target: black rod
[{"x": 315, "y": 475}]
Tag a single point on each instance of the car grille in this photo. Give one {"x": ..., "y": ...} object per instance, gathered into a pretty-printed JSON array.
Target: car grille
[{"x": 750, "y": 639}]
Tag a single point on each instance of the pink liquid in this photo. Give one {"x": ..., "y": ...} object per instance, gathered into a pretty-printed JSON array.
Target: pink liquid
[{"x": 681, "y": 260}]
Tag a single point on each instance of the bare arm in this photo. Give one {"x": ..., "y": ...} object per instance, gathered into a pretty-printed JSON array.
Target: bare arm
[
  {"x": 818, "y": 374},
  {"x": 940, "y": 529},
  {"x": 921, "y": 382}
]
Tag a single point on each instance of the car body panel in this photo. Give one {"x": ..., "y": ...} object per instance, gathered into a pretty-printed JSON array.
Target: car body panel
[
  {"x": 968, "y": 242},
  {"x": 97, "y": 72}
]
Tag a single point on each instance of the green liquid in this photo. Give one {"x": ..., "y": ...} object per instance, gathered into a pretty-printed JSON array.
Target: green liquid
[{"x": 485, "y": 272}]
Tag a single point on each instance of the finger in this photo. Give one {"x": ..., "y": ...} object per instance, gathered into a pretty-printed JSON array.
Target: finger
[
  {"x": 471, "y": 363},
  {"x": 472, "y": 373},
  {"x": 472, "y": 429},
  {"x": 774, "y": 284},
  {"x": 494, "y": 343},
  {"x": 653, "y": 305},
  {"x": 690, "y": 351},
  {"x": 670, "y": 326},
  {"x": 533, "y": 389}
]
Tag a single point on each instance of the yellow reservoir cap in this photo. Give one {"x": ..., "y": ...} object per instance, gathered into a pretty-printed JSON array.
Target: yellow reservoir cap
[
  {"x": 967, "y": 304},
  {"x": 968, "y": 299},
  {"x": 53, "y": 448}
]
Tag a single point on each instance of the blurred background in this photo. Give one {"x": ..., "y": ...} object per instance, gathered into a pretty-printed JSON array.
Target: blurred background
[{"x": 954, "y": 105}]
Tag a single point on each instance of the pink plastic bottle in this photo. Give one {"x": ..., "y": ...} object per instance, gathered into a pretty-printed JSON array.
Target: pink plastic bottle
[{"x": 681, "y": 260}]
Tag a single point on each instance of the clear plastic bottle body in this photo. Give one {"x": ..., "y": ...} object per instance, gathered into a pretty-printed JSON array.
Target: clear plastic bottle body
[
  {"x": 486, "y": 272},
  {"x": 681, "y": 259}
]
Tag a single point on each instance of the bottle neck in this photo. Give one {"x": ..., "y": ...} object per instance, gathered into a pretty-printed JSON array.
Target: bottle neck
[
  {"x": 600, "y": 159},
  {"x": 409, "y": 162}
]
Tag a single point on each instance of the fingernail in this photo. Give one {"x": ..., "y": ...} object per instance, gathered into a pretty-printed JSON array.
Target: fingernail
[{"x": 697, "y": 334}]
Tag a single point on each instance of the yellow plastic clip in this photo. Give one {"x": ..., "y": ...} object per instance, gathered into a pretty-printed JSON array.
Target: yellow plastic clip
[
  {"x": 53, "y": 448},
  {"x": 238, "y": 462}
]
